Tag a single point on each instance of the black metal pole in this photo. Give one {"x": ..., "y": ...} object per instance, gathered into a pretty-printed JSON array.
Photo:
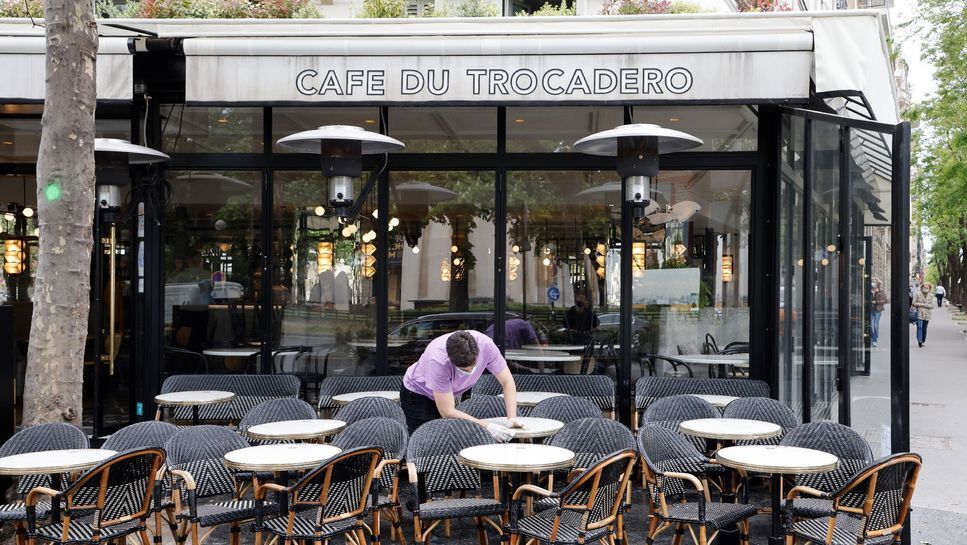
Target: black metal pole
[
  {"x": 845, "y": 323},
  {"x": 626, "y": 310},
  {"x": 382, "y": 261},
  {"x": 97, "y": 302},
  {"x": 808, "y": 272},
  {"x": 267, "y": 317},
  {"x": 500, "y": 236}
]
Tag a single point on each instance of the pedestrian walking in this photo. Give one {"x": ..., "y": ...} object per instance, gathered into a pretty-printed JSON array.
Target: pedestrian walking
[
  {"x": 879, "y": 301},
  {"x": 940, "y": 292},
  {"x": 924, "y": 307}
]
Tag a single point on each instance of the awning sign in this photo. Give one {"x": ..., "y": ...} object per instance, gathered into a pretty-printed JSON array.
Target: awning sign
[{"x": 763, "y": 75}]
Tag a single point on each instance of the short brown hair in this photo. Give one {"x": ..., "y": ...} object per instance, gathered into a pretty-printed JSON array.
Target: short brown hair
[{"x": 462, "y": 349}]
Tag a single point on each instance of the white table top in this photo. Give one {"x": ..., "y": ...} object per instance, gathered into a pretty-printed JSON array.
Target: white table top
[
  {"x": 739, "y": 360},
  {"x": 533, "y": 355},
  {"x": 731, "y": 429},
  {"x": 372, "y": 344},
  {"x": 777, "y": 459},
  {"x": 558, "y": 347},
  {"x": 517, "y": 457},
  {"x": 529, "y": 399},
  {"x": 295, "y": 429},
  {"x": 53, "y": 461},
  {"x": 342, "y": 399},
  {"x": 194, "y": 397},
  {"x": 716, "y": 400},
  {"x": 289, "y": 457},
  {"x": 230, "y": 352},
  {"x": 534, "y": 428}
]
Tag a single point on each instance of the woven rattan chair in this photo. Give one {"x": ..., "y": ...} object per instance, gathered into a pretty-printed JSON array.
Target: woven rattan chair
[
  {"x": 196, "y": 457},
  {"x": 328, "y": 501},
  {"x": 249, "y": 390},
  {"x": 597, "y": 388},
  {"x": 484, "y": 407},
  {"x": 854, "y": 456},
  {"x": 766, "y": 410},
  {"x": 275, "y": 410},
  {"x": 150, "y": 434},
  {"x": 107, "y": 503},
  {"x": 37, "y": 438},
  {"x": 587, "y": 509},
  {"x": 436, "y": 475},
  {"x": 566, "y": 409},
  {"x": 650, "y": 389},
  {"x": 870, "y": 508},
  {"x": 370, "y": 407},
  {"x": 333, "y": 386},
  {"x": 672, "y": 411},
  {"x": 391, "y": 436},
  {"x": 668, "y": 470}
]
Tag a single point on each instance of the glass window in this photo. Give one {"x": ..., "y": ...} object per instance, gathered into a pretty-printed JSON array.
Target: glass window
[
  {"x": 286, "y": 121},
  {"x": 212, "y": 258},
  {"x": 211, "y": 129},
  {"x": 691, "y": 267},
  {"x": 18, "y": 234},
  {"x": 441, "y": 261},
  {"x": 445, "y": 130},
  {"x": 325, "y": 274},
  {"x": 791, "y": 261},
  {"x": 721, "y": 128},
  {"x": 20, "y": 138},
  {"x": 564, "y": 264},
  {"x": 544, "y": 130}
]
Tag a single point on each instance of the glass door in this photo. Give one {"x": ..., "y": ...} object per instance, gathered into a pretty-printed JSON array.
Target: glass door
[{"x": 843, "y": 285}]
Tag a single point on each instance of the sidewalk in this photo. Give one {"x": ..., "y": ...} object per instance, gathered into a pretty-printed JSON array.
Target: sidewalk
[{"x": 938, "y": 405}]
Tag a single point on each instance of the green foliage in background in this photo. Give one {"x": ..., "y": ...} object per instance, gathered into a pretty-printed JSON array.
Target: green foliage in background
[
  {"x": 649, "y": 7},
  {"x": 551, "y": 10},
  {"x": 940, "y": 142},
  {"x": 180, "y": 9},
  {"x": 383, "y": 9}
]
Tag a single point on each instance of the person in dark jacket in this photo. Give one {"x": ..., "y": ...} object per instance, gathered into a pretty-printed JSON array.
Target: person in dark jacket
[{"x": 580, "y": 320}]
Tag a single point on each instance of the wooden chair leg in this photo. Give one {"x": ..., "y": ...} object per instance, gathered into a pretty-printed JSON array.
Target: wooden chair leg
[
  {"x": 703, "y": 535},
  {"x": 652, "y": 527},
  {"x": 143, "y": 534},
  {"x": 361, "y": 536},
  {"x": 417, "y": 529},
  {"x": 194, "y": 534},
  {"x": 481, "y": 531},
  {"x": 679, "y": 533},
  {"x": 376, "y": 528}
]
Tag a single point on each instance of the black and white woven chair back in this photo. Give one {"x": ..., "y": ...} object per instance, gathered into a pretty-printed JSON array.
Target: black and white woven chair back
[
  {"x": 339, "y": 487},
  {"x": 566, "y": 409},
  {"x": 118, "y": 490},
  {"x": 333, "y": 386},
  {"x": 650, "y": 389},
  {"x": 433, "y": 449},
  {"x": 672, "y": 411},
  {"x": 890, "y": 481},
  {"x": 276, "y": 410},
  {"x": 484, "y": 406},
  {"x": 41, "y": 437},
  {"x": 250, "y": 390},
  {"x": 853, "y": 451},
  {"x": 600, "y": 487},
  {"x": 200, "y": 451},
  {"x": 592, "y": 439},
  {"x": 150, "y": 433},
  {"x": 665, "y": 450},
  {"x": 385, "y": 433},
  {"x": 764, "y": 409},
  {"x": 370, "y": 407},
  {"x": 597, "y": 388}
]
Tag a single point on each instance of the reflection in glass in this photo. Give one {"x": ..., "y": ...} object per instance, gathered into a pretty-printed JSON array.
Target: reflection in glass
[
  {"x": 791, "y": 288},
  {"x": 286, "y": 121},
  {"x": 441, "y": 258},
  {"x": 721, "y": 127},
  {"x": 325, "y": 272},
  {"x": 225, "y": 129},
  {"x": 445, "y": 130},
  {"x": 212, "y": 257},
  {"x": 555, "y": 129}
]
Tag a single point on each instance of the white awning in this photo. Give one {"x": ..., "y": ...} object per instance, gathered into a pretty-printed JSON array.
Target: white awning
[{"x": 22, "y": 60}]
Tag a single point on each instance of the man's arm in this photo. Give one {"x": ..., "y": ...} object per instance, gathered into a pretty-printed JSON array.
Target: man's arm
[
  {"x": 506, "y": 380},
  {"x": 446, "y": 406}
]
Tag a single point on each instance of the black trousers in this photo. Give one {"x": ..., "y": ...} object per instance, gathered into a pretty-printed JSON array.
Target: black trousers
[
  {"x": 939, "y": 301},
  {"x": 418, "y": 409}
]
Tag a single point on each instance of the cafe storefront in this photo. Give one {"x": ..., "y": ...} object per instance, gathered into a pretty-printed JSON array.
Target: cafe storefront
[{"x": 235, "y": 258}]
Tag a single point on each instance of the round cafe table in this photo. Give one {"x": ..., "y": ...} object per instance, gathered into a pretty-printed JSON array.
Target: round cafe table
[
  {"x": 529, "y": 399},
  {"x": 729, "y": 429},
  {"x": 541, "y": 358},
  {"x": 193, "y": 399},
  {"x": 722, "y": 361},
  {"x": 777, "y": 461},
  {"x": 280, "y": 459},
  {"x": 556, "y": 347},
  {"x": 534, "y": 428},
  {"x": 343, "y": 399},
  {"x": 53, "y": 463},
  {"x": 719, "y": 401},
  {"x": 289, "y": 430}
]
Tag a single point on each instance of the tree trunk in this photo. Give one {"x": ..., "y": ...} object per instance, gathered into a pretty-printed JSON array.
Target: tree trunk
[{"x": 65, "y": 209}]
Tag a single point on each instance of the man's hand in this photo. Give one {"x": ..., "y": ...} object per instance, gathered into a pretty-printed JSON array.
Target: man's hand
[
  {"x": 515, "y": 424},
  {"x": 500, "y": 433}
]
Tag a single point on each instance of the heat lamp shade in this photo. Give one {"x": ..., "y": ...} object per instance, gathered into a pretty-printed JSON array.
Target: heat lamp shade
[
  {"x": 136, "y": 155},
  {"x": 606, "y": 142},
  {"x": 311, "y": 141}
]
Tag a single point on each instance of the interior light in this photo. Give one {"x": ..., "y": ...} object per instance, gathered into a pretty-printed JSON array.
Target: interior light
[
  {"x": 376, "y": 213},
  {"x": 346, "y": 232},
  {"x": 222, "y": 120},
  {"x": 416, "y": 249},
  {"x": 7, "y": 142},
  {"x": 674, "y": 119},
  {"x": 547, "y": 261},
  {"x": 515, "y": 248},
  {"x": 369, "y": 121},
  {"x": 454, "y": 249},
  {"x": 519, "y": 121},
  {"x": 456, "y": 261},
  {"x": 393, "y": 222},
  {"x": 320, "y": 210},
  {"x": 587, "y": 251},
  {"x": 825, "y": 262},
  {"x": 28, "y": 212}
]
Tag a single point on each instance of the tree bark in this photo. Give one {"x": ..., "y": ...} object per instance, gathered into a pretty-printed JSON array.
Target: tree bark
[{"x": 65, "y": 209}]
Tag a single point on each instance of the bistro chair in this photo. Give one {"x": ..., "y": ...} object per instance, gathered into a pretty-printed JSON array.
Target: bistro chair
[
  {"x": 566, "y": 409},
  {"x": 650, "y": 389},
  {"x": 870, "y": 508},
  {"x": 275, "y": 410},
  {"x": 597, "y": 388},
  {"x": 150, "y": 434},
  {"x": 391, "y": 436},
  {"x": 370, "y": 407},
  {"x": 854, "y": 455},
  {"x": 328, "y": 501},
  {"x": 764, "y": 409},
  {"x": 107, "y": 503},
  {"x": 677, "y": 365},
  {"x": 672, "y": 411},
  {"x": 668, "y": 470},
  {"x": 180, "y": 361},
  {"x": 436, "y": 475},
  {"x": 36, "y": 438},
  {"x": 588, "y": 509},
  {"x": 196, "y": 457},
  {"x": 333, "y": 386},
  {"x": 484, "y": 406}
]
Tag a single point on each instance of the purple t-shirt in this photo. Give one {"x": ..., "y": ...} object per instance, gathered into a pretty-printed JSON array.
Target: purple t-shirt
[{"x": 433, "y": 372}]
